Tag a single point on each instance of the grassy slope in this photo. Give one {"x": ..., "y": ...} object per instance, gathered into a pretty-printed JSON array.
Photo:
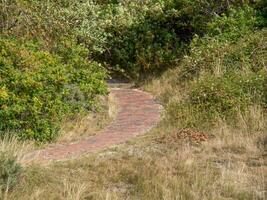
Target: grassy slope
[
  {"x": 156, "y": 166},
  {"x": 164, "y": 165}
]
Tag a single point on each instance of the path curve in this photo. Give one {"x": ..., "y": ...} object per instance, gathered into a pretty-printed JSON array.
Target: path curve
[{"x": 137, "y": 113}]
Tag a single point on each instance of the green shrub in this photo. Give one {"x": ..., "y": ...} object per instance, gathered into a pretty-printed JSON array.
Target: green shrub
[
  {"x": 261, "y": 8},
  {"x": 224, "y": 73},
  {"x": 130, "y": 37},
  {"x": 218, "y": 56},
  {"x": 50, "y": 21},
  {"x": 38, "y": 89},
  {"x": 150, "y": 37},
  {"x": 222, "y": 97},
  {"x": 150, "y": 40},
  {"x": 41, "y": 20},
  {"x": 234, "y": 24}
]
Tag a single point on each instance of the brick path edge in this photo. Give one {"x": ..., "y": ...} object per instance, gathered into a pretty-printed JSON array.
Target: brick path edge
[{"x": 137, "y": 113}]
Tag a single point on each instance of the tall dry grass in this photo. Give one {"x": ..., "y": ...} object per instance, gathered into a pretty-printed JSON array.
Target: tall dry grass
[
  {"x": 88, "y": 125},
  {"x": 229, "y": 165},
  {"x": 11, "y": 147},
  {"x": 12, "y": 158}
]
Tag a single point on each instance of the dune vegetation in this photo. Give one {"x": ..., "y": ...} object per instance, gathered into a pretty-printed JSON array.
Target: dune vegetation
[{"x": 205, "y": 61}]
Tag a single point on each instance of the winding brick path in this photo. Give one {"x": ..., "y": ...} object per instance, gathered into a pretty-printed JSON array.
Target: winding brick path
[{"x": 137, "y": 113}]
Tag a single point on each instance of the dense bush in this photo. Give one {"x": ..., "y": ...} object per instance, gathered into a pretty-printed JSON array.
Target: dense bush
[
  {"x": 225, "y": 95},
  {"x": 131, "y": 37},
  {"x": 220, "y": 97},
  {"x": 50, "y": 21},
  {"x": 39, "y": 20},
  {"x": 151, "y": 37},
  {"x": 230, "y": 44},
  {"x": 37, "y": 89},
  {"x": 224, "y": 73},
  {"x": 45, "y": 80}
]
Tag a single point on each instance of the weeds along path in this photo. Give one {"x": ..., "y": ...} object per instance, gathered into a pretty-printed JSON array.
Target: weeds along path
[{"x": 137, "y": 113}]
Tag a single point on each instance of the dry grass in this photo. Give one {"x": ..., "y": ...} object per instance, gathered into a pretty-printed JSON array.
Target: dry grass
[
  {"x": 11, "y": 147},
  {"x": 164, "y": 89},
  {"x": 236, "y": 153},
  {"x": 227, "y": 166},
  {"x": 12, "y": 156},
  {"x": 84, "y": 126}
]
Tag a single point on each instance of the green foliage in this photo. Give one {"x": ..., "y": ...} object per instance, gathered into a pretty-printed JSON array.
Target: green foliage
[
  {"x": 87, "y": 20},
  {"x": 9, "y": 171},
  {"x": 37, "y": 89},
  {"x": 225, "y": 94},
  {"x": 42, "y": 82},
  {"x": 261, "y": 9},
  {"x": 233, "y": 24},
  {"x": 239, "y": 49},
  {"x": 50, "y": 21},
  {"x": 224, "y": 73},
  {"x": 222, "y": 97},
  {"x": 131, "y": 37},
  {"x": 149, "y": 41},
  {"x": 150, "y": 37},
  {"x": 33, "y": 19}
]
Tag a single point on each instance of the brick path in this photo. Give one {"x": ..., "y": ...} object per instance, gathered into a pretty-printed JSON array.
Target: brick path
[{"x": 137, "y": 113}]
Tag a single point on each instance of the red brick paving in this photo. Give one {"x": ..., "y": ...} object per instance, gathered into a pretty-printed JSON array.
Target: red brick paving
[{"x": 137, "y": 113}]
